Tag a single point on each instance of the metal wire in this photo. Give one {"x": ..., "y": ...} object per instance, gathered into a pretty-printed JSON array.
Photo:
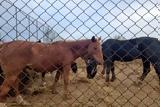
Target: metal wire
[{"x": 54, "y": 20}]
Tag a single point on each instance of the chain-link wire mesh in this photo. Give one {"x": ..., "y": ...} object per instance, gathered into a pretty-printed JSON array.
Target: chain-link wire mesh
[{"x": 56, "y": 20}]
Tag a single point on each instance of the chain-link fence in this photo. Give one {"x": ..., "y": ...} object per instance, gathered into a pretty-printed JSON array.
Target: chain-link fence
[{"x": 56, "y": 20}]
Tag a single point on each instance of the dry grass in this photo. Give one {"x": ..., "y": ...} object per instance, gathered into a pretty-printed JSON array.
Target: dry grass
[{"x": 91, "y": 93}]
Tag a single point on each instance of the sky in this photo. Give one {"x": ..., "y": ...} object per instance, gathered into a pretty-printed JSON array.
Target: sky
[{"x": 74, "y": 19}]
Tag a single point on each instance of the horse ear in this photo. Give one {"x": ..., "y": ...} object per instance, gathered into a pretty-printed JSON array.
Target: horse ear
[
  {"x": 99, "y": 38},
  {"x": 39, "y": 41},
  {"x": 93, "y": 39}
]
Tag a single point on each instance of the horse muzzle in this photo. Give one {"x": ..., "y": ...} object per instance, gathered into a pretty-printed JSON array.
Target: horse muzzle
[{"x": 98, "y": 60}]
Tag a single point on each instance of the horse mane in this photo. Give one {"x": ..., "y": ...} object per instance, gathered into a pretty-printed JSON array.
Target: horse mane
[
  {"x": 56, "y": 42},
  {"x": 68, "y": 42}
]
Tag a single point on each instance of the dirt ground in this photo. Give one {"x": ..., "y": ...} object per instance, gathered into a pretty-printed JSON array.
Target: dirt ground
[{"x": 96, "y": 93}]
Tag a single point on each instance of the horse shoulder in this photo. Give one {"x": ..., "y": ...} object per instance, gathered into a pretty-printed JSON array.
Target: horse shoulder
[{"x": 66, "y": 53}]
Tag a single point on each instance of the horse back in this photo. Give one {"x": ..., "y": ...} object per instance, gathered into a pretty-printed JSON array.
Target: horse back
[
  {"x": 50, "y": 56},
  {"x": 39, "y": 56},
  {"x": 15, "y": 51},
  {"x": 121, "y": 50}
]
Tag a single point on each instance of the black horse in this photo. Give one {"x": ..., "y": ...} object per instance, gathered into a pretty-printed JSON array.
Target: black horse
[
  {"x": 91, "y": 68},
  {"x": 145, "y": 48}
]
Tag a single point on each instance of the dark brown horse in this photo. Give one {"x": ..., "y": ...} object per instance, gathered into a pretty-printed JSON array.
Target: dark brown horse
[{"x": 43, "y": 58}]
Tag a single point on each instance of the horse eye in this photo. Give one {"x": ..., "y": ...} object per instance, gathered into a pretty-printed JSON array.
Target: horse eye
[{"x": 95, "y": 48}]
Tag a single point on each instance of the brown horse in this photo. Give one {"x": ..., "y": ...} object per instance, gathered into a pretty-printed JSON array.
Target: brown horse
[{"x": 43, "y": 58}]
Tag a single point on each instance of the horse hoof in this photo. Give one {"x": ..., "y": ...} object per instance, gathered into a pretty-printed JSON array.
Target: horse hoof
[
  {"x": 25, "y": 103},
  {"x": 140, "y": 83},
  {"x": 21, "y": 101},
  {"x": 36, "y": 92},
  {"x": 137, "y": 83},
  {"x": 107, "y": 79},
  {"x": 54, "y": 92},
  {"x": 107, "y": 84},
  {"x": 67, "y": 97},
  {"x": 43, "y": 85},
  {"x": 101, "y": 76},
  {"x": 3, "y": 105},
  {"x": 113, "y": 79}
]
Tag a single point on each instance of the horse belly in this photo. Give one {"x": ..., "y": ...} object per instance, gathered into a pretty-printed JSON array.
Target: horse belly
[
  {"x": 127, "y": 55},
  {"x": 44, "y": 65}
]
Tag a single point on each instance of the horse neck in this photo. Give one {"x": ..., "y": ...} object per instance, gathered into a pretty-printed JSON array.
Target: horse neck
[{"x": 79, "y": 48}]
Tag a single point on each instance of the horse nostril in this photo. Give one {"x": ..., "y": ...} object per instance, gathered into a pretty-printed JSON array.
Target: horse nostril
[{"x": 99, "y": 63}]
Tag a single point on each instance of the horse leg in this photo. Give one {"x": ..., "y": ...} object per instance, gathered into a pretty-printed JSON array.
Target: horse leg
[
  {"x": 6, "y": 85},
  {"x": 104, "y": 69},
  {"x": 104, "y": 66},
  {"x": 159, "y": 77},
  {"x": 66, "y": 71},
  {"x": 58, "y": 73},
  {"x": 4, "y": 89},
  {"x": 19, "y": 98},
  {"x": 11, "y": 80},
  {"x": 12, "y": 72},
  {"x": 113, "y": 73},
  {"x": 146, "y": 69},
  {"x": 157, "y": 69},
  {"x": 108, "y": 71},
  {"x": 43, "y": 80}
]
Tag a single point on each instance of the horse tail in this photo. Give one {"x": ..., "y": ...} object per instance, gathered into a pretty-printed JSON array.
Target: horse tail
[
  {"x": 1, "y": 76},
  {"x": 1, "y": 71},
  {"x": 1, "y": 47}
]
